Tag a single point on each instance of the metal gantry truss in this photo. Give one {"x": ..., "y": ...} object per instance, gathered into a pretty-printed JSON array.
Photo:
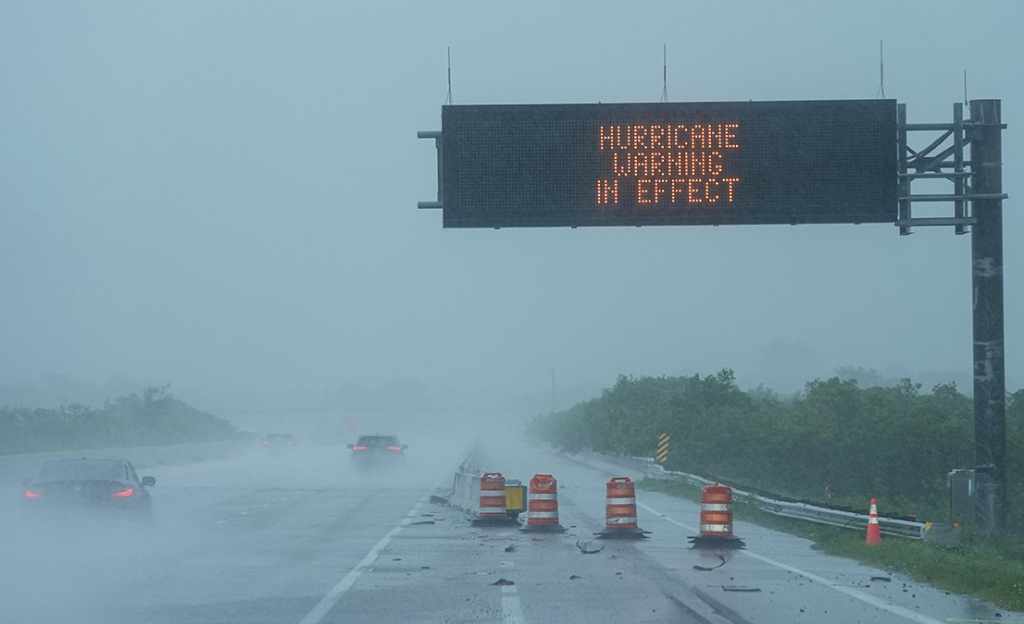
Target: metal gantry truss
[
  {"x": 977, "y": 198},
  {"x": 944, "y": 158}
]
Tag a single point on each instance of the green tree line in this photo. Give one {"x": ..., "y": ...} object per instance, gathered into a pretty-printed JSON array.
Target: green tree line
[
  {"x": 151, "y": 418},
  {"x": 835, "y": 441}
]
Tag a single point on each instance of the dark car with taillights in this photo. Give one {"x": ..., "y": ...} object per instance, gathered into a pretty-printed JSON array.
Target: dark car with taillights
[
  {"x": 379, "y": 450},
  {"x": 88, "y": 484}
]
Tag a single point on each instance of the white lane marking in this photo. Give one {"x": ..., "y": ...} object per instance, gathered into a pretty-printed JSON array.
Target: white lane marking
[
  {"x": 849, "y": 591},
  {"x": 327, "y": 603},
  {"x": 666, "y": 518},
  {"x": 511, "y": 609}
]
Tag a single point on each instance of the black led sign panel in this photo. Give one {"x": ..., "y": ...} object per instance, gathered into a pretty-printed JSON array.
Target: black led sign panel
[{"x": 669, "y": 163}]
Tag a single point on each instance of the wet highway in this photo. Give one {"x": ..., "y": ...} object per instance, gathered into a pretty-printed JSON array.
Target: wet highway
[{"x": 302, "y": 537}]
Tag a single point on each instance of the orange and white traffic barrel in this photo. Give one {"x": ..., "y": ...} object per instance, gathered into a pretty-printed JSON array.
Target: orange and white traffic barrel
[
  {"x": 620, "y": 509},
  {"x": 492, "y": 498},
  {"x": 716, "y": 511},
  {"x": 715, "y": 515},
  {"x": 620, "y": 504},
  {"x": 542, "y": 503}
]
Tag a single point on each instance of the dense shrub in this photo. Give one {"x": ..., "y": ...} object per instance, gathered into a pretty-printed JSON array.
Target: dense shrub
[
  {"x": 895, "y": 442},
  {"x": 154, "y": 417}
]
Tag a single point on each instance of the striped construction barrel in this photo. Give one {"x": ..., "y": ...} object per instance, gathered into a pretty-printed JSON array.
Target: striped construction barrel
[
  {"x": 542, "y": 502},
  {"x": 620, "y": 504},
  {"x": 492, "y": 496},
  {"x": 716, "y": 511}
]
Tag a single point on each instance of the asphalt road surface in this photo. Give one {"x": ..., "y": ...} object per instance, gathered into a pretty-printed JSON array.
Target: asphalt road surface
[{"x": 301, "y": 537}]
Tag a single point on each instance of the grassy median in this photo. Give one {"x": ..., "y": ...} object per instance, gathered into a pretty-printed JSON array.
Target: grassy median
[{"x": 991, "y": 569}]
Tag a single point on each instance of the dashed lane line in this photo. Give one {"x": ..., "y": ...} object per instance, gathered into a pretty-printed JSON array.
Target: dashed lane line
[
  {"x": 332, "y": 597},
  {"x": 511, "y": 609}
]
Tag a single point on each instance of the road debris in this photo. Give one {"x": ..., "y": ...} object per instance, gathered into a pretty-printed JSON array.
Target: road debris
[
  {"x": 510, "y": 548},
  {"x": 573, "y": 577},
  {"x": 741, "y": 588},
  {"x": 422, "y": 522},
  {"x": 503, "y": 581},
  {"x": 884, "y": 579},
  {"x": 708, "y": 569},
  {"x": 588, "y": 547}
]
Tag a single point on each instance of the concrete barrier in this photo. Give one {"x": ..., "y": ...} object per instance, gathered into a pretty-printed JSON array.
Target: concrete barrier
[{"x": 466, "y": 492}]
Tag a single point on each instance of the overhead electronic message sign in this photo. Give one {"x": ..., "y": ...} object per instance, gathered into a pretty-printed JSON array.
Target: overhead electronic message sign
[{"x": 669, "y": 163}]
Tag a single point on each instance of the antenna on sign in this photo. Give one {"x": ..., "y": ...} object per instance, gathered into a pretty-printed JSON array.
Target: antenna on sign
[
  {"x": 664, "y": 72},
  {"x": 449, "y": 100},
  {"x": 965, "y": 88},
  {"x": 881, "y": 68}
]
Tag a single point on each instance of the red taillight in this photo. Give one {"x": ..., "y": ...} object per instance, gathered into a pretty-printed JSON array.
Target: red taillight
[
  {"x": 125, "y": 493},
  {"x": 33, "y": 494},
  {"x": 395, "y": 449},
  {"x": 360, "y": 447}
]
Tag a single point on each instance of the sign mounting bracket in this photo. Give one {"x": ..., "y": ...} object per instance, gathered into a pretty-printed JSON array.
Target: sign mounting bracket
[
  {"x": 944, "y": 158},
  {"x": 436, "y": 136}
]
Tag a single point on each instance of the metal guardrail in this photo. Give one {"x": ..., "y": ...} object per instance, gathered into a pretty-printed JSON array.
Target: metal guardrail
[{"x": 799, "y": 511}]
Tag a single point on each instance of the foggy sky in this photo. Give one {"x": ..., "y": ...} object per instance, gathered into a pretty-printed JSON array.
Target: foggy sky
[{"x": 222, "y": 195}]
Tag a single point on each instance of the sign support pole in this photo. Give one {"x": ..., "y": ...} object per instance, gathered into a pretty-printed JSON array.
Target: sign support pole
[{"x": 987, "y": 281}]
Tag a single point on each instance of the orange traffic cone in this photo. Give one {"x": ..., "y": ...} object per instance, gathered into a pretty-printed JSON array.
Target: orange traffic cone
[{"x": 874, "y": 534}]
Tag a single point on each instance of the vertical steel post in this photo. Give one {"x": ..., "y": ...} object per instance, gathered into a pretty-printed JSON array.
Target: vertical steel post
[
  {"x": 903, "y": 204},
  {"x": 987, "y": 279},
  {"x": 958, "y": 165}
]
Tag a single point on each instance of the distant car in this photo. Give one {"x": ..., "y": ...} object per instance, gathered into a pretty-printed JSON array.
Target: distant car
[
  {"x": 377, "y": 449},
  {"x": 77, "y": 484},
  {"x": 278, "y": 440}
]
